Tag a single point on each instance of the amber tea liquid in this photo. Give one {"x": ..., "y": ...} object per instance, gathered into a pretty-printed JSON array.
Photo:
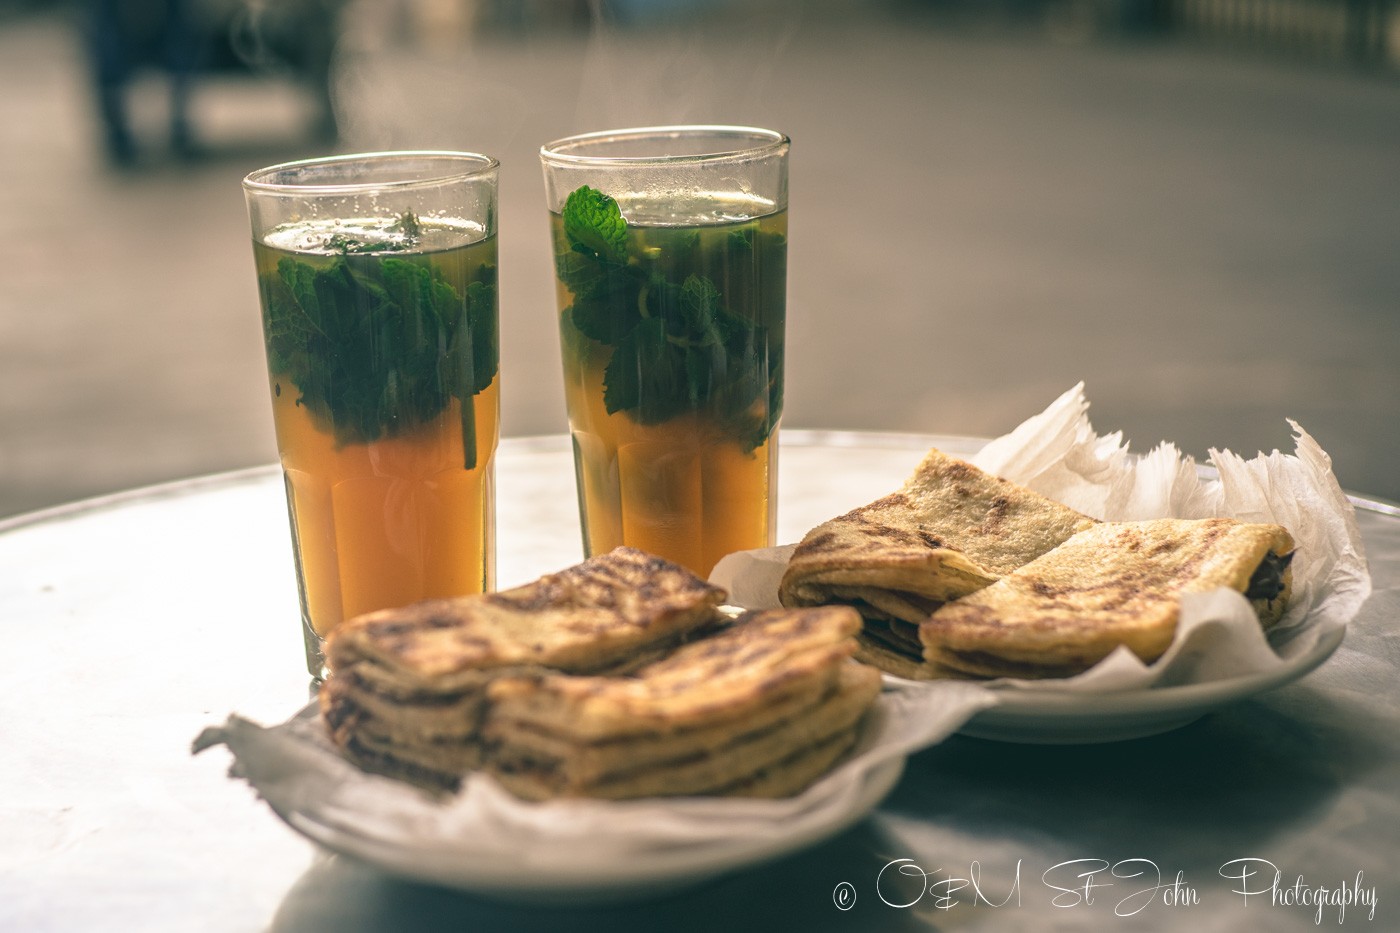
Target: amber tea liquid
[
  {"x": 680, "y": 464},
  {"x": 382, "y": 357}
]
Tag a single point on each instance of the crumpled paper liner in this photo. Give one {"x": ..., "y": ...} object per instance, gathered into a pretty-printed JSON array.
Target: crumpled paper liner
[
  {"x": 483, "y": 832},
  {"x": 1057, "y": 454}
]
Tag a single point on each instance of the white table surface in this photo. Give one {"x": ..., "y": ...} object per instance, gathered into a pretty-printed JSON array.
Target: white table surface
[{"x": 133, "y": 621}]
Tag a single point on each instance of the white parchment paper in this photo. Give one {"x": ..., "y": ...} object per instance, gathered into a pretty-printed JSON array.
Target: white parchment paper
[
  {"x": 484, "y": 837},
  {"x": 484, "y": 832}
]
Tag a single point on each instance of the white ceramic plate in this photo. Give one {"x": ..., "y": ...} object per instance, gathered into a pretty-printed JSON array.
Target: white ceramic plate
[
  {"x": 520, "y": 877},
  {"x": 1046, "y": 717}
]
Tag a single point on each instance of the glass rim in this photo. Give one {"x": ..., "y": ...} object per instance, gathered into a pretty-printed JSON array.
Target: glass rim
[
  {"x": 765, "y": 143},
  {"x": 479, "y": 165}
]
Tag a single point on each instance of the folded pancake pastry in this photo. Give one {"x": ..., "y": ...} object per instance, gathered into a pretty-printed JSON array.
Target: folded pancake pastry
[
  {"x": 617, "y": 678},
  {"x": 1112, "y": 584},
  {"x": 406, "y": 691},
  {"x": 588, "y": 617},
  {"x": 760, "y": 708},
  {"x": 951, "y": 530}
]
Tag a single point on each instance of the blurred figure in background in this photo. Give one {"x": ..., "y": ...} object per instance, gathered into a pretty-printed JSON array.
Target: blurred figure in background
[
  {"x": 185, "y": 39},
  {"x": 124, "y": 36}
]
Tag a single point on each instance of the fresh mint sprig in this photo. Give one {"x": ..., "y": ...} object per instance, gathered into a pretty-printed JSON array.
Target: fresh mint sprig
[
  {"x": 363, "y": 339},
  {"x": 677, "y": 346}
]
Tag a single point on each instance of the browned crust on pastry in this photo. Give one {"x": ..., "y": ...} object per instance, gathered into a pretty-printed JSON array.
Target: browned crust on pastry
[
  {"x": 949, "y": 531},
  {"x": 1113, "y": 584},
  {"x": 757, "y": 657},
  {"x": 671, "y": 766},
  {"x": 588, "y": 617},
  {"x": 432, "y": 691}
]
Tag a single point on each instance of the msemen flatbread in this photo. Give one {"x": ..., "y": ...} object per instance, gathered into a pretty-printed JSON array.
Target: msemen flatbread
[
  {"x": 615, "y": 678},
  {"x": 406, "y": 691},
  {"x": 751, "y": 708},
  {"x": 949, "y": 531},
  {"x": 588, "y": 617},
  {"x": 700, "y": 761},
  {"x": 1112, "y": 584},
  {"x": 593, "y": 759},
  {"x": 763, "y": 655}
]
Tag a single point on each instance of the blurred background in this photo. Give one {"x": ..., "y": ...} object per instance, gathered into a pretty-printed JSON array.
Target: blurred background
[{"x": 1191, "y": 205}]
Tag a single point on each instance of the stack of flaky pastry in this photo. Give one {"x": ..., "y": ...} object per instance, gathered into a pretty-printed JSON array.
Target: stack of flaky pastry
[
  {"x": 616, "y": 678},
  {"x": 963, "y": 574}
]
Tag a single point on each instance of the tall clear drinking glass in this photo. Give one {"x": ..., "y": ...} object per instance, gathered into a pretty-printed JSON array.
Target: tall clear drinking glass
[
  {"x": 377, "y": 279},
  {"x": 670, "y": 250}
]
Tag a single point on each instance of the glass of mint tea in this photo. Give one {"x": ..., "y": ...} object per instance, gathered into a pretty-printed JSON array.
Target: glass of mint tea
[
  {"x": 377, "y": 280},
  {"x": 670, "y": 256}
]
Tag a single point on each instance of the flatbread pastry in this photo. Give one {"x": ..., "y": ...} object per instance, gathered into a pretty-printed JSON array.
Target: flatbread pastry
[
  {"x": 1112, "y": 584},
  {"x": 951, "y": 530},
  {"x": 406, "y": 691},
  {"x": 588, "y": 617},
  {"x": 718, "y": 760},
  {"x": 756, "y": 699},
  {"x": 616, "y": 678}
]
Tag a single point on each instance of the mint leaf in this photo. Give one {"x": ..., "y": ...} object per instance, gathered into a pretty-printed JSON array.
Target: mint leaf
[
  {"x": 363, "y": 339},
  {"x": 637, "y": 369},
  {"x": 693, "y": 315},
  {"x": 593, "y": 224},
  {"x": 705, "y": 321},
  {"x": 607, "y": 302},
  {"x": 588, "y": 275},
  {"x": 606, "y": 289},
  {"x": 699, "y": 303},
  {"x": 479, "y": 327}
]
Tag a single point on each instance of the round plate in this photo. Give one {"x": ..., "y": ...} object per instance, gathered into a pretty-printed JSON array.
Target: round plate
[
  {"x": 1046, "y": 717},
  {"x": 521, "y": 878}
]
